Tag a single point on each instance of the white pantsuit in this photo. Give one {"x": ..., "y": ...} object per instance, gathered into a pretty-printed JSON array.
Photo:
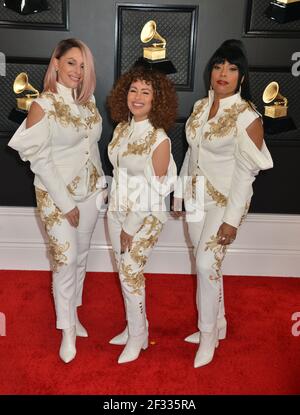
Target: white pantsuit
[
  {"x": 137, "y": 206},
  {"x": 63, "y": 152},
  {"x": 224, "y": 156}
]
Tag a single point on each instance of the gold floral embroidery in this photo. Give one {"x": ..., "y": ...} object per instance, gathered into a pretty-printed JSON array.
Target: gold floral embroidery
[
  {"x": 142, "y": 146},
  {"x": 94, "y": 176},
  {"x": 227, "y": 122},
  {"x": 218, "y": 197},
  {"x": 245, "y": 213},
  {"x": 95, "y": 117},
  {"x": 219, "y": 253},
  {"x": 134, "y": 280},
  {"x": 193, "y": 122},
  {"x": 43, "y": 201},
  {"x": 150, "y": 239},
  {"x": 57, "y": 253},
  {"x": 62, "y": 112},
  {"x": 119, "y": 132},
  {"x": 73, "y": 185}
]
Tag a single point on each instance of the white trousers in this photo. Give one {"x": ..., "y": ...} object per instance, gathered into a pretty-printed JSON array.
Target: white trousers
[
  {"x": 131, "y": 267},
  {"x": 68, "y": 251},
  {"x": 209, "y": 255}
]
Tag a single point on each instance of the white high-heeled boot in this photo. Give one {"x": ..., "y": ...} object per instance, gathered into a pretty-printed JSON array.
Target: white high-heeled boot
[
  {"x": 206, "y": 350},
  {"x": 121, "y": 339},
  {"x": 67, "y": 350},
  {"x": 221, "y": 326},
  {"x": 80, "y": 330},
  {"x": 133, "y": 348}
]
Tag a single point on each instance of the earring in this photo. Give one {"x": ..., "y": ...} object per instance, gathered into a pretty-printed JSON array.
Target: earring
[
  {"x": 129, "y": 117},
  {"x": 210, "y": 88},
  {"x": 240, "y": 89}
]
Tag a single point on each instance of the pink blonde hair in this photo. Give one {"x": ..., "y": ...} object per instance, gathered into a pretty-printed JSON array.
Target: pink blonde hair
[{"x": 88, "y": 85}]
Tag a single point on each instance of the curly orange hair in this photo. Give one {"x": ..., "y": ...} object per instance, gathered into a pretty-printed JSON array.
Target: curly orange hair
[{"x": 164, "y": 106}]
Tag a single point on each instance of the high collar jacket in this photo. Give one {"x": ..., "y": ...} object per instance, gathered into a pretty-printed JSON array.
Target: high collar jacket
[
  {"x": 221, "y": 150},
  {"x": 61, "y": 143}
]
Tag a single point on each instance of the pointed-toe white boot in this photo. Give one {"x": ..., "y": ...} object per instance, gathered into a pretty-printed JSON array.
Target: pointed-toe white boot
[
  {"x": 133, "y": 348},
  {"x": 222, "y": 328},
  {"x": 67, "y": 350},
  {"x": 121, "y": 339},
  {"x": 206, "y": 350}
]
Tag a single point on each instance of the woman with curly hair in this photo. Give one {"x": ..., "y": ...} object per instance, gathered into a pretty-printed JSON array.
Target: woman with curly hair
[{"x": 144, "y": 103}]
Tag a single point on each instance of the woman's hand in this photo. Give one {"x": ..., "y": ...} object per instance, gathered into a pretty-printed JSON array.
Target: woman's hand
[
  {"x": 177, "y": 207},
  {"x": 226, "y": 234},
  {"x": 73, "y": 217},
  {"x": 126, "y": 241}
]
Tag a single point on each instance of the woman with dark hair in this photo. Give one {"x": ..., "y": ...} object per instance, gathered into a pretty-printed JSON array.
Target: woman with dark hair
[
  {"x": 144, "y": 104},
  {"x": 60, "y": 139},
  {"x": 226, "y": 151}
]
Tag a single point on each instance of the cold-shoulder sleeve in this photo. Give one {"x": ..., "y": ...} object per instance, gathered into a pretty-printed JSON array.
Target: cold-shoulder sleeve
[
  {"x": 155, "y": 193},
  {"x": 249, "y": 160},
  {"x": 34, "y": 145}
]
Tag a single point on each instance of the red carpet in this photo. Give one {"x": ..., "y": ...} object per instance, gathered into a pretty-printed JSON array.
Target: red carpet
[{"x": 259, "y": 356}]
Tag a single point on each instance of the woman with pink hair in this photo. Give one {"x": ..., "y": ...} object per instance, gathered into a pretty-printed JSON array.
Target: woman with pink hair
[{"x": 60, "y": 139}]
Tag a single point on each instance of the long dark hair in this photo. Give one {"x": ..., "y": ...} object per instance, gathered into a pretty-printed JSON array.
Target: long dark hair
[{"x": 232, "y": 51}]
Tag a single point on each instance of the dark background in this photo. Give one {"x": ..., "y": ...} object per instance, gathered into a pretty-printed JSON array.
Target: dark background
[{"x": 269, "y": 53}]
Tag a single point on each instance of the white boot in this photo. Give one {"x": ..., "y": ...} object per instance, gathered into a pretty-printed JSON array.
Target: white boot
[
  {"x": 208, "y": 343},
  {"x": 133, "y": 347},
  {"x": 221, "y": 326},
  {"x": 121, "y": 339},
  {"x": 80, "y": 330},
  {"x": 67, "y": 350}
]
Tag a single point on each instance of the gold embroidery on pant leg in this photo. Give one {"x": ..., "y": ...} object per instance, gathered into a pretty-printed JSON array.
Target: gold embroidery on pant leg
[
  {"x": 134, "y": 280},
  {"x": 73, "y": 185},
  {"x": 150, "y": 239},
  {"x": 94, "y": 176},
  {"x": 219, "y": 253},
  {"x": 56, "y": 252},
  {"x": 218, "y": 197},
  {"x": 44, "y": 201}
]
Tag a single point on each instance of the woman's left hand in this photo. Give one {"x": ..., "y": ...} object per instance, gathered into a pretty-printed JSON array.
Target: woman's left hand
[
  {"x": 226, "y": 234},
  {"x": 126, "y": 241}
]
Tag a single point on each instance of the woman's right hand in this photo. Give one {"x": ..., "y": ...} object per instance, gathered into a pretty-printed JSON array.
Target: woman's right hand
[
  {"x": 73, "y": 217},
  {"x": 177, "y": 207}
]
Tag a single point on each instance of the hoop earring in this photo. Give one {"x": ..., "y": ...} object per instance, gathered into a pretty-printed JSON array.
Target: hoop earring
[
  {"x": 240, "y": 89},
  {"x": 129, "y": 117}
]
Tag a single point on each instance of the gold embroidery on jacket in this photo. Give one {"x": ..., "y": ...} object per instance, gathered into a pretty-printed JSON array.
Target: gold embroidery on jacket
[
  {"x": 193, "y": 122},
  {"x": 44, "y": 202},
  {"x": 217, "y": 196},
  {"x": 245, "y": 213},
  {"x": 95, "y": 117},
  {"x": 219, "y": 253},
  {"x": 134, "y": 280},
  {"x": 57, "y": 253},
  {"x": 143, "y": 145},
  {"x": 119, "y": 132},
  {"x": 62, "y": 112},
  {"x": 147, "y": 242},
  {"x": 227, "y": 122}
]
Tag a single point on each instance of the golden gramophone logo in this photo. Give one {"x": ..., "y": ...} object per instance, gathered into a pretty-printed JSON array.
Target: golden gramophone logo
[
  {"x": 21, "y": 85},
  {"x": 158, "y": 49},
  {"x": 279, "y": 105}
]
